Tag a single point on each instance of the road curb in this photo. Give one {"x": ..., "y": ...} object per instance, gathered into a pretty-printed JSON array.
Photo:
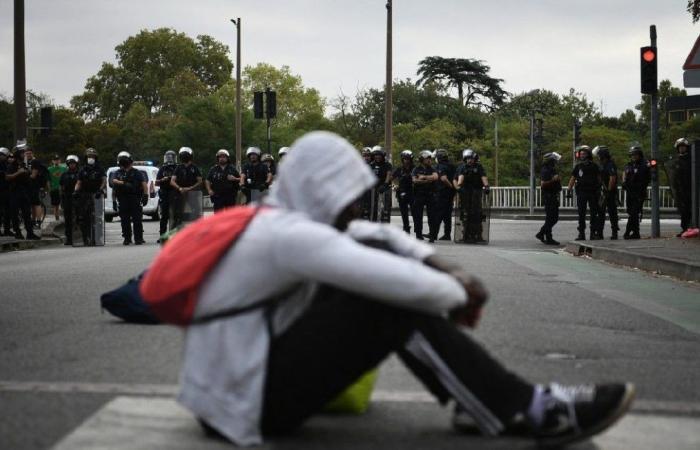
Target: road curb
[
  {"x": 28, "y": 245},
  {"x": 650, "y": 263}
]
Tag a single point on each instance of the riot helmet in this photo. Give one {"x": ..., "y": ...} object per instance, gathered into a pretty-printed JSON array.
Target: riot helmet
[
  {"x": 124, "y": 159},
  {"x": 441, "y": 155},
  {"x": 682, "y": 143},
  {"x": 601, "y": 152},
  {"x": 407, "y": 154},
  {"x": 72, "y": 159},
  {"x": 223, "y": 152},
  {"x": 253, "y": 152},
  {"x": 551, "y": 157},
  {"x": 582, "y": 150},
  {"x": 185, "y": 154},
  {"x": 170, "y": 157},
  {"x": 4, "y": 151},
  {"x": 267, "y": 158},
  {"x": 425, "y": 154},
  {"x": 468, "y": 154},
  {"x": 283, "y": 151},
  {"x": 636, "y": 150},
  {"x": 91, "y": 153},
  {"x": 377, "y": 151}
]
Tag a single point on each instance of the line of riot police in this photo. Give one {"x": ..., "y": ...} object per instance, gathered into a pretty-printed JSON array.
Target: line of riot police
[{"x": 430, "y": 188}]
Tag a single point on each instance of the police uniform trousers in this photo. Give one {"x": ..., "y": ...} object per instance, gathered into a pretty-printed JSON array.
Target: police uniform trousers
[
  {"x": 684, "y": 204},
  {"x": 405, "y": 200},
  {"x": 20, "y": 207},
  {"x": 165, "y": 200},
  {"x": 67, "y": 203},
  {"x": 635, "y": 202},
  {"x": 424, "y": 202},
  {"x": 471, "y": 213},
  {"x": 5, "y": 217},
  {"x": 551, "y": 211},
  {"x": 445, "y": 208},
  {"x": 587, "y": 200},
  {"x": 223, "y": 200},
  {"x": 327, "y": 350},
  {"x": 609, "y": 206},
  {"x": 366, "y": 202},
  {"x": 131, "y": 211}
]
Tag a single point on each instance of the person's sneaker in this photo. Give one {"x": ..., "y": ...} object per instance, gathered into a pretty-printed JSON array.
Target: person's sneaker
[
  {"x": 127, "y": 241},
  {"x": 445, "y": 238},
  {"x": 139, "y": 242},
  {"x": 575, "y": 413},
  {"x": 634, "y": 236},
  {"x": 420, "y": 237},
  {"x": 464, "y": 423},
  {"x": 550, "y": 241},
  {"x": 540, "y": 236}
]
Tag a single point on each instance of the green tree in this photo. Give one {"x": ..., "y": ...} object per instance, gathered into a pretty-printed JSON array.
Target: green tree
[
  {"x": 694, "y": 9},
  {"x": 666, "y": 90},
  {"x": 475, "y": 87},
  {"x": 149, "y": 63}
]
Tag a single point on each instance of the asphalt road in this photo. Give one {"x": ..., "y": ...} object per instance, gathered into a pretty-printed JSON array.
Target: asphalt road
[{"x": 551, "y": 317}]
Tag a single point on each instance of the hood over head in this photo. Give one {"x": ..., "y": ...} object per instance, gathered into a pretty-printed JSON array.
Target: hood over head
[{"x": 321, "y": 175}]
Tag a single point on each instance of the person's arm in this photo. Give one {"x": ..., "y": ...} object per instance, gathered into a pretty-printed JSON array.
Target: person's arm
[
  {"x": 161, "y": 180},
  {"x": 21, "y": 171},
  {"x": 173, "y": 183},
  {"x": 369, "y": 272},
  {"x": 612, "y": 182},
  {"x": 460, "y": 181},
  {"x": 485, "y": 181},
  {"x": 243, "y": 179},
  {"x": 572, "y": 181}
]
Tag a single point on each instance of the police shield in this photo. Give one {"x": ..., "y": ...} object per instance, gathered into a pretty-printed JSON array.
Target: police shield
[
  {"x": 89, "y": 221},
  {"x": 472, "y": 217},
  {"x": 185, "y": 208}
]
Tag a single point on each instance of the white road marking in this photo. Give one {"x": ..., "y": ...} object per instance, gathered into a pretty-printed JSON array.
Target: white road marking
[{"x": 170, "y": 390}]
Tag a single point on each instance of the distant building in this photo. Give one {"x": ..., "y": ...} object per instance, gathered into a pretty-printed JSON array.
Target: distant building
[{"x": 680, "y": 109}]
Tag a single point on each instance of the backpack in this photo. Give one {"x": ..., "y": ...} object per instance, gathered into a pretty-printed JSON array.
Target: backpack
[
  {"x": 170, "y": 287},
  {"x": 126, "y": 303}
]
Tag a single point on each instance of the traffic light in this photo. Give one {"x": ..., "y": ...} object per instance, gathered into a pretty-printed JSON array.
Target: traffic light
[
  {"x": 46, "y": 114},
  {"x": 649, "y": 61},
  {"x": 577, "y": 133},
  {"x": 258, "y": 105},
  {"x": 271, "y": 103}
]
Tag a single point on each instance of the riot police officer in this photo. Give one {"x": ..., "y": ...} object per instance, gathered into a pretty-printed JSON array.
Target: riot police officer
[
  {"x": 635, "y": 179},
  {"x": 367, "y": 155},
  {"x": 92, "y": 181},
  {"x": 471, "y": 185},
  {"x": 366, "y": 199},
  {"x": 608, "y": 198},
  {"x": 223, "y": 181},
  {"x": 187, "y": 177},
  {"x": 269, "y": 161},
  {"x": 445, "y": 193},
  {"x": 550, "y": 183},
  {"x": 256, "y": 177},
  {"x": 166, "y": 191},
  {"x": 424, "y": 178},
  {"x": 130, "y": 185},
  {"x": 403, "y": 176},
  {"x": 282, "y": 153},
  {"x": 682, "y": 186},
  {"x": 18, "y": 176},
  {"x": 586, "y": 177},
  {"x": 67, "y": 183},
  {"x": 4, "y": 194},
  {"x": 382, "y": 170}
]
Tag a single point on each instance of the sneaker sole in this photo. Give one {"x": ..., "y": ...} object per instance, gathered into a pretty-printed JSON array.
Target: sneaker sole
[{"x": 621, "y": 410}]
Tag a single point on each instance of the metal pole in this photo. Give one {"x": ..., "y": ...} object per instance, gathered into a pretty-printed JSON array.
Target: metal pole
[
  {"x": 695, "y": 184},
  {"x": 239, "y": 131},
  {"x": 267, "y": 115},
  {"x": 573, "y": 147},
  {"x": 388, "y": 117},
  {"x": 20, "y": 97},
  {"x": 655, "y": 219},
  {"x": 531, "y": 201},
  {"x": 495, "y": 153}
]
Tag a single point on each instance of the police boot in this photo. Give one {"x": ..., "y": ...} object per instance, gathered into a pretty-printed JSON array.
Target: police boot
[
  {"x": 540, "y": 237},
  {"x": 549, "y": 240},
  {"x": 613, "y": 236},
  {"x": 127, "y": 241},
  {"x": 445, "y": 237},
  {"x": 581, "y": 236}
]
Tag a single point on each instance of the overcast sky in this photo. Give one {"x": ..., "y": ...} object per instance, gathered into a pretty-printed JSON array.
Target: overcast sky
[{"x": 592, "y": 45}]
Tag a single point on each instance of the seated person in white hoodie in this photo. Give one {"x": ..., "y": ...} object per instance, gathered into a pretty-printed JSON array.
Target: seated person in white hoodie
[{"x": 350, "y": 294}]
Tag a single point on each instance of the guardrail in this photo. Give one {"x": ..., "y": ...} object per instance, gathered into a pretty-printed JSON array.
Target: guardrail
[{"x": 518, "y": 197}]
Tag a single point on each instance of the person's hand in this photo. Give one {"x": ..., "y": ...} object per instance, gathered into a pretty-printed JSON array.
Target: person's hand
[
  {"x": 211, "y": 193},
  {"x": 487, "y": 190},
  {"x": 231, "y": 178},
  {"x": 556, "y": 178},
  {"x": 469, "y": 314}
]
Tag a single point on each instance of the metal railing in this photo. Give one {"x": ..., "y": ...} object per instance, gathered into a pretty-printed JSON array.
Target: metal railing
[{"x": 518, "y": 197}]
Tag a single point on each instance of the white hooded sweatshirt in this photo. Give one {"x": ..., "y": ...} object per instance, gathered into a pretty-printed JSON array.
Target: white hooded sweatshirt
[{"x": 292, "y": 247}]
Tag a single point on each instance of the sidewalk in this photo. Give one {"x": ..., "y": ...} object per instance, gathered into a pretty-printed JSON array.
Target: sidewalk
[
  {"x": 671, "y": 256},
  {"x": 8, "y": 244}
]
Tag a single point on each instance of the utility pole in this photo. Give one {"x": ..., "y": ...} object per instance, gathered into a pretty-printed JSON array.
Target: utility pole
[
  {"x": 239, "y": 132},
  {"x": 655, "y": 219},
  {"x": 531, "y": 200},
  {"x": 388, "y": 117},
  {"x": 495, "y": 152},
  {"x": 20, "y": 97}
]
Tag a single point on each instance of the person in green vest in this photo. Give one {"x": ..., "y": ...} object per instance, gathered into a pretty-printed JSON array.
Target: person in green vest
[{"x": 56, "y": 169}]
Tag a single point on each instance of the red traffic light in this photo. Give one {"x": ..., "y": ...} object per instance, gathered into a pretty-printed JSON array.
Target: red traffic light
[
  {"x": 649, "y": 55},
  {"x": 652, "y": 163}
]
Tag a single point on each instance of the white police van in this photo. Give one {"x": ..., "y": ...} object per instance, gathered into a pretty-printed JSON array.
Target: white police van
[{"x": 151, "y": 209}]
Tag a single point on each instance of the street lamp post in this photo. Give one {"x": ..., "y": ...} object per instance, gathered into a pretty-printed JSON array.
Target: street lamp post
[
  {"x": 20, "y": 86},
  {"x": 239, "y": 133},
  {"x": 388, "y": 117}
]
